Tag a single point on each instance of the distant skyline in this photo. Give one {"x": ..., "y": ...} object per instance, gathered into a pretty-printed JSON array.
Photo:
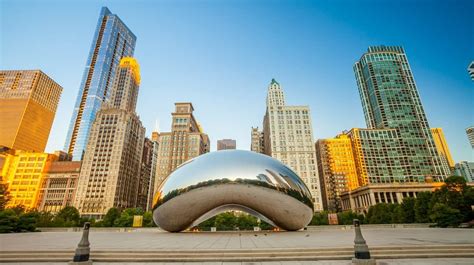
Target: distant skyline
[{"x": 222, "y": 55}]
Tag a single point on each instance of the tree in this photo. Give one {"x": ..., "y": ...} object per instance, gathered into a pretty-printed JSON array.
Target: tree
[
  {"x": 265, "y": 226},
  {"x": 67, "y": 217},
  {"x": 27, "y": 222},
  {"x": 148, "y": 219},
  {"x": 225, "y": 221},
  {"x": 445, "y": 216},
  {"x": 8, "y": 221},
  {"x": 408, "y": 210},
  {"x": 207, "y": 224},
  {"x": 422, "y": 207},
  {"x": 110, "y": 217},
  {"x": 347, "y": 217},
  {"x": 397, "y": 214},
  {"x": 456, "y": 183},
  {"x": 126, "y": 217},
  {"x": 469, "y": 200},
  {"x": 379, "y": 214},
  {"x": 4, "y": 195},
  {"x": 320, "y": 218},
  {"x": 18, "y": 209},
  {"x": 84, "y": 220},
  {"x": 246, "y": 222},
  {"x": 44, "y": 219},
  {"x": 456, "y": 195}
]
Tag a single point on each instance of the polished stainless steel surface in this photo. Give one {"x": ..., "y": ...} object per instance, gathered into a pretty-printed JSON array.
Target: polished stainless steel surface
[{"x": 232, "y": 180}]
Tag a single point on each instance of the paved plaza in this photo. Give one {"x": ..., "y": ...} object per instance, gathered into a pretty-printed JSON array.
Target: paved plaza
[
  {"x": 156, "y": 239},
  {"x": 321, "y": 246}
]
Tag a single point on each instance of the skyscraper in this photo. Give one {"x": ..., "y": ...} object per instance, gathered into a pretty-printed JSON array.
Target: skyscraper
[
  {"x": 110, "y": 174},
  {"x": 145, "y": 173},
  {"x": 396, "y": 156},
  {"x": 337, "y": 170},
  {"x": 185, "y": 141},
  {"x": 470, "y": 135},
  {"x": 256, "y": 144},
  {"x": 465, "y": 169},
  {"x": 28, "y": 103},
  {"x": 225, "y": 144},
  {"x": 154, "y": 166},
  {"x": 112, "y": 41},
  {"x": 288, "y": 137},
  {"x": 442, "y": 147},
  {"x": 470, "y": 70},
  {"x": 390, "y": 101},
  {"x": 23, "y": 172}
]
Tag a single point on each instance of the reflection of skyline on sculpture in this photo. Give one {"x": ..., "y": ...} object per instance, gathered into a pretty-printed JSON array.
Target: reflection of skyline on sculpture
[
  {"x": 234, "y": 172},
  {"x": 232, "y": 180}
]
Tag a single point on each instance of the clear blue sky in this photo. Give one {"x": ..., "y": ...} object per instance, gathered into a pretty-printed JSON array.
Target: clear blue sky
[{"x": 221, "y": 55}]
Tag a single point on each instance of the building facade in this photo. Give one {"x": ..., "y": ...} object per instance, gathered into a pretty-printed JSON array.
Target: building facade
[
  {"x": 379, "y": 157},
  {"x": 23, "y": 172},
  {"x": 28, "y": 103},
  {"x": 225, "y": 144},
  {"x": 391, "y": 103},
  {"x": 288, "y": 137},
  {"x": 154, "y": 166},
  {"x": 465, "y": 169},
  {"x": 112, "y": 41},
  {"x": 337, "y": 170},
  {"x": 58, "y": 186},
  {"x": 442, "y": 147},
  {"x": 145, "y": 173},
  {"x": 470, "y": 135},
  {"x": 256, "y": 144},
  {"x": 360, "y": 199},
  {"x": 185, "y": 141},
  {"x": 110, "y": 173}
]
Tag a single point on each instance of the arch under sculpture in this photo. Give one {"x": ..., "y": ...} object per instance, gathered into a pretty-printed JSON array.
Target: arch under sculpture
[{"x": 232, "y": 180}]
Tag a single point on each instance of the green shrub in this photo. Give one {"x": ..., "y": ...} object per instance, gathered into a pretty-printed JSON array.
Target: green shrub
[
  {"x": 126, "y": 217},
  {"x": 148, "y": 219},
  {"x": 246, "y": 222},
  {"x": 27, "y": 222},
  {"x": 408, "y": 210},
  {"x": 225, "y": 221},
  {"x": 445, "y": 216},
  {"x": 422, "y": 207},
  {"x": 347, "y": 217},
  {"x": 110, "y": 217},
  {"x": 67, "y": 217},
  {"x": 8, "y": 221},
  {"x": 320, "y": 218}
]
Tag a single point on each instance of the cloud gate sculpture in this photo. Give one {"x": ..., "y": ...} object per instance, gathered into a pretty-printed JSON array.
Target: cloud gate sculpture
[{"x": 232, "y": 180}]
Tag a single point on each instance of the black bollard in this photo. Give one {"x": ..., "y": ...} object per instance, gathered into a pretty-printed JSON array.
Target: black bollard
[
  {"x": 83, "y": 250},
  {"x": 361, "y": 250}
]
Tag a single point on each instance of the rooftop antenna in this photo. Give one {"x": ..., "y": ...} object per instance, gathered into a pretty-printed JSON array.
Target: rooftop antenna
[{"x": 157, "y": 126}]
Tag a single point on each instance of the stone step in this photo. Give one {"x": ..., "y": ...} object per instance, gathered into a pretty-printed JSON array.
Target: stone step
[
  {"x": 235, "y": 259},
  {"x": 394, "y": 252},
  {"x": 255, "y": 250}
]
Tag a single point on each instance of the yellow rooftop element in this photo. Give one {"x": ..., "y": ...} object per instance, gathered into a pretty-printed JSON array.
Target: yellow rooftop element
[{"x": 132, "y": 63}]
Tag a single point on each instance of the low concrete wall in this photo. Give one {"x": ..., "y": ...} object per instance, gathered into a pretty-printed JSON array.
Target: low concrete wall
[
  {"x": 156, "y": 229},
  {"x": 344, "y": 227},
  {"x": 101, "y": 229}
]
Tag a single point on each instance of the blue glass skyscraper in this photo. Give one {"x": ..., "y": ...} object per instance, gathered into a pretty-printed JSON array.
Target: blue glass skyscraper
[
  {"x": 112, "y": 41},
  {"x": 399, "y": 145}
]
